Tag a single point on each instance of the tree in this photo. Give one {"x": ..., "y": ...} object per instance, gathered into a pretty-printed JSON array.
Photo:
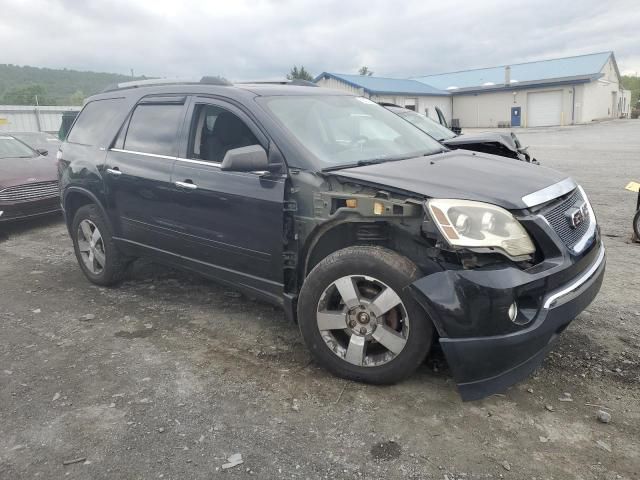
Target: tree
[
  {"x": 632, "y": 83},
  {"x": 77, "y": 98},
  {"x": 365, "y": 72},
  {"x": 26, "y": 95},
  {"x": 301, "y": 74}
]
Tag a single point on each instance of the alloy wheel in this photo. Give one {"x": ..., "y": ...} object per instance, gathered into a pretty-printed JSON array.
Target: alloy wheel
[
  {"x": 91, "y": 247},
  {"x": 362, "y": 320}
]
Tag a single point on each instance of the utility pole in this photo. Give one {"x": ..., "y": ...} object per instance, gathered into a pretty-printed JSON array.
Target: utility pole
[
  {"x": 37, "y": 111},
  {"x": 132, "y": 73}
]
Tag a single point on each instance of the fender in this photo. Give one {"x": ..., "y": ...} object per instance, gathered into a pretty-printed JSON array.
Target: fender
[{"x": 87, "y": 193}]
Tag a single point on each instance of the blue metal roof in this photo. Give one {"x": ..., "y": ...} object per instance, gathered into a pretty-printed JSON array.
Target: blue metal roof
[
  {"x": 539, "y": 72},
  {"x": 385, "y": 86}
]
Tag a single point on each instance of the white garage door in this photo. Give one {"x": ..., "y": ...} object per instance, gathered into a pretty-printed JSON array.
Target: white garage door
[{"x": 544, "y": 108}]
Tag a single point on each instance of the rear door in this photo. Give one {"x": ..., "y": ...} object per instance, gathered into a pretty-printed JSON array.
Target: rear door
[
  {"x": 231, "y": 223},
  {"x": 138, "y": 172}
]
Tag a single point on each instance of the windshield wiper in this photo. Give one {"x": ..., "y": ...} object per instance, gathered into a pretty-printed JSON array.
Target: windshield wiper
[
  {"x": 359, "y": 163},
  {"x": 373, "y": 161}
]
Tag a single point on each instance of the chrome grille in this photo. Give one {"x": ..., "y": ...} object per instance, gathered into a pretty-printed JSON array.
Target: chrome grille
[
  {"x": 558, "y": 220},
  {"x": 29, "y": 191}
]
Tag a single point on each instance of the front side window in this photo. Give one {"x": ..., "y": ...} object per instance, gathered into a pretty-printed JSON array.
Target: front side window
[
  {"x": 12, "y": 148},
  {"x": 343, "y": 130},
  {"x": 154, "y": 129},
  {"x": 214, "y": 131},
  {"x": 90, "y": 126}
]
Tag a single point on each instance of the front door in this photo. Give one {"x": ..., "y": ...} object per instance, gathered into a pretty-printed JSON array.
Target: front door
[
  {"x": 231, "y": 223},
  {"x": 515, "y": 116},
  {"x": 138, "y": 172}
]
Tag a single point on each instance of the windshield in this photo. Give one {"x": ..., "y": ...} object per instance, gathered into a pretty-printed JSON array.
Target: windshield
[
  {"x": 12, "y": 148},
  {"x": 428, "y": 125},
  {"x": 39, "y": 138},
  {"x": 345, "y": 130}
]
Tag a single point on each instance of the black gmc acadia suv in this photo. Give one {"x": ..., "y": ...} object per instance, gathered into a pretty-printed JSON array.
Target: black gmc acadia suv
[{"x": 373, "y": 237}]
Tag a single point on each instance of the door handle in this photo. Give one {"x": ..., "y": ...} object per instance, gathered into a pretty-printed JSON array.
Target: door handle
[
  {"x": 187, "y": 184},
  {"x": 115, "y": 171}
]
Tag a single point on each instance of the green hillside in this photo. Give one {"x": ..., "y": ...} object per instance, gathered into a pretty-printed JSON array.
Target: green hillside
[{"x": 20, "y": 85}]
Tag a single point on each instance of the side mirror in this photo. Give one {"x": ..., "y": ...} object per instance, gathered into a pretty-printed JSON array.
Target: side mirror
[
  {"x": 246, "y": 159},
  {"x": 42, "y": 151}
]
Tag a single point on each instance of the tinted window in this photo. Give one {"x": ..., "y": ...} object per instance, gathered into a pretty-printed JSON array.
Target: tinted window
[
  {"x": 154, "y": 129},
  {"x": 89, "y": 129},
  {"x": 214, "y": 131}
]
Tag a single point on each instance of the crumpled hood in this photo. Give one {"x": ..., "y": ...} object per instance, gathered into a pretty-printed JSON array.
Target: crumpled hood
[
  {"x": 482, "y": 137},
  {"x": 459, "y": 174},
  {"x": 18, "y": 171}
]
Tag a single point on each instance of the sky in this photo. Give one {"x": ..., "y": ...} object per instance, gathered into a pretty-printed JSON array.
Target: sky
[{"x": 263, "y": 39}]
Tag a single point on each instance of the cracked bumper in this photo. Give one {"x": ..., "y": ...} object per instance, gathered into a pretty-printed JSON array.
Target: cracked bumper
[{"x": 484, "y": 365}]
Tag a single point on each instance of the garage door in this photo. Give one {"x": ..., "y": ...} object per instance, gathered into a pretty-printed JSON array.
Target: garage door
[{"x": 544, "y": 108}]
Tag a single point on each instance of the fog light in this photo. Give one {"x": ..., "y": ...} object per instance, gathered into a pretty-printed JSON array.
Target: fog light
[{"x": 513, "y": 311}]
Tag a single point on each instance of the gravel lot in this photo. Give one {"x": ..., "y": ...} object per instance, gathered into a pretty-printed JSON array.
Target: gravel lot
[{"x": 168, "y": 375}]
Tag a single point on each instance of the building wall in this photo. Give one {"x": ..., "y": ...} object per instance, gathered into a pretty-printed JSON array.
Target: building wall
[
  {"x": 592, "y": 101},
  {"x": 338, "y": 85},
  {"x": 29, "y": 118},
  {"x": 603, "y": 98},
  {"x": 484, "y": 109}
]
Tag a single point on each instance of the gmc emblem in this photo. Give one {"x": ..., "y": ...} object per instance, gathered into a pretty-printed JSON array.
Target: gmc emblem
[{"x": 577, "y": 214}]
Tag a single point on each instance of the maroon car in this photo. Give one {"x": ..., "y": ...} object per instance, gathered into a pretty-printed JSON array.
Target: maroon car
[{"x": 28, "y": 181}]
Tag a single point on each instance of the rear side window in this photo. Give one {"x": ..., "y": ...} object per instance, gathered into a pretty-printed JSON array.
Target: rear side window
[
  {"x": 154, "y": 128},
  {"x": 89, "y": 128}
]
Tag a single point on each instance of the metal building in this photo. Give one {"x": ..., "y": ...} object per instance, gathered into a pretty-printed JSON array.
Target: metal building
[
  {"x": 562, "y": 91},
  {"x": 31, "y": 118}
]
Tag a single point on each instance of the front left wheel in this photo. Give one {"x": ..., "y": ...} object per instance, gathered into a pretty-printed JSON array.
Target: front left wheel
[{"x": 358, "y": 318}]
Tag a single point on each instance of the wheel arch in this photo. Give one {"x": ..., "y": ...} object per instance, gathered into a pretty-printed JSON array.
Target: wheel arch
[
  {"x": 76, "y": 197},
  {"x": 337, "y": 235}
]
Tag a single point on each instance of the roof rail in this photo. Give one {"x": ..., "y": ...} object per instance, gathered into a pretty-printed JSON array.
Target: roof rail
[
  {"x": 206, "y": 80},
  {"x": 297, "y": 82}
]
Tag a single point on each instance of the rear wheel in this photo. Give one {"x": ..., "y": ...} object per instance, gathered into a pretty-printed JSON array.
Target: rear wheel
[
  {"x": 358, "y": 319},
  {"x": 98, "y": 257}
]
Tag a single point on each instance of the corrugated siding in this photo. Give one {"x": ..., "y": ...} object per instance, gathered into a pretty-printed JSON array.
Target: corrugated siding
[
  {"x": 27, "y": 118},
  {"x": 338, "y": 85}
]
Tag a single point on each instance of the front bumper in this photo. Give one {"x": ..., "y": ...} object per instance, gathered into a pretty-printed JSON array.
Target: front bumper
[
  {"x": 483, "y": 365},
  {"x": 32, "y": 208}
]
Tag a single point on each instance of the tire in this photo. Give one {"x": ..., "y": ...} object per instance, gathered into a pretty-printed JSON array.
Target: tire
[
  {"x": 109, "y": 263},
  {"x": 321, "y": 304},
  {"x": 636, "y": 225}
]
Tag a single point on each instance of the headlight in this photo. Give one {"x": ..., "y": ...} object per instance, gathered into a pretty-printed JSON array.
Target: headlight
[{"x": 465, "y": 223}]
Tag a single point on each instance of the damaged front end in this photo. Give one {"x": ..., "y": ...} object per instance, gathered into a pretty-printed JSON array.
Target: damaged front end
[
  {"x": 497, "y": 307},
  {"x": 497, "y": 316}
]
